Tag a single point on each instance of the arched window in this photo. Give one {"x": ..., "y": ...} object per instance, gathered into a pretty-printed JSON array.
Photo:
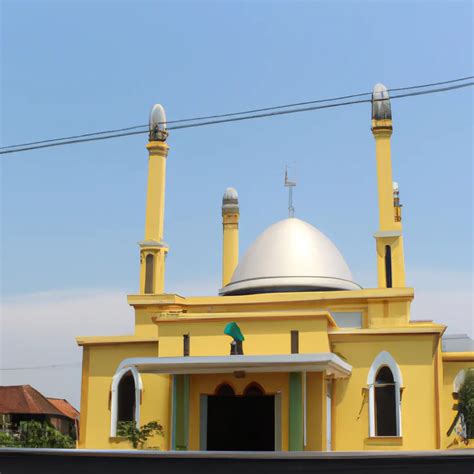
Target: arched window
[
  {"x": 126, "y": 398},
  {"x": 225, "y": 390},
  {"x": 385, "y": 410},
  {"x": 149, "y": 271},
  {"x": 385, "y": 382},
  {"x": 253, "y": 390},
  {"x": 388, "y": 266}
]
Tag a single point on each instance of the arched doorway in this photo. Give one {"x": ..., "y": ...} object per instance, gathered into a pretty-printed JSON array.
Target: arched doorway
[{"x": 240, "y": 423}]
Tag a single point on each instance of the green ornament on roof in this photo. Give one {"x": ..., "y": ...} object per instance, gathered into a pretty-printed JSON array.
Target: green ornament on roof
[{"x": 233, "y": 330}]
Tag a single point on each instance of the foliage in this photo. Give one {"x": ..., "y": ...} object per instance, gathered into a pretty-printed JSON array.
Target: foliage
[
  {"x": 34, "y": 434},
  {"x": 7, "y": 440},
  {"x": 466, "y": 402},
  {"x": 139, "y": 436}
]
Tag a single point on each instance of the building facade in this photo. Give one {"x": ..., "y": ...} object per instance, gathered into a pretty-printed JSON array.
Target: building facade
[{"x": 292, "y": 354}]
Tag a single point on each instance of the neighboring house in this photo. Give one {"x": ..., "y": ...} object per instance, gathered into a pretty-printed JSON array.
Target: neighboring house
[{"x": 23, "y": 403}]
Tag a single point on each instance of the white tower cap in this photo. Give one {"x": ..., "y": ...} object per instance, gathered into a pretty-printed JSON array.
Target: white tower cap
[
  {"x": 158, "y": 123},
  {"x": 230, "y": 200},
  {"x": 381, "y": 108}
]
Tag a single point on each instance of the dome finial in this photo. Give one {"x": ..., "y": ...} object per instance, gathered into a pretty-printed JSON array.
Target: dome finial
[
  {"x": 290, "y": 185},
  {"x": 381, "y": 108},
  {"x": 158, "y": 131}
]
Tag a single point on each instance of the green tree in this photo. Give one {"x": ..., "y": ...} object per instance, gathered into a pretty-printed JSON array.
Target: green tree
[
  {"x": 466, "y": 402},
  {"x": 139, "y": 436},
  {"x": 34, "y": 434},
  {"x": 7, "y": 440}
]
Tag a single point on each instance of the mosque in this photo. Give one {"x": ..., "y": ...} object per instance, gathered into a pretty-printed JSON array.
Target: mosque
[{"x": 292, "y": 355}]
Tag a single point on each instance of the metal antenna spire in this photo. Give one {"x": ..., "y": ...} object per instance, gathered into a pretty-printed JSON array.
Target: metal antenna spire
[{"x": 290, "y": 185}]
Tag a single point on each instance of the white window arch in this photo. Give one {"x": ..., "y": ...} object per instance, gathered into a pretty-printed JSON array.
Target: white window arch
[
  {"x": 114, "y": 405},
  {"x": 393, "y": 381},
  {"x": 458, "y": 380}
]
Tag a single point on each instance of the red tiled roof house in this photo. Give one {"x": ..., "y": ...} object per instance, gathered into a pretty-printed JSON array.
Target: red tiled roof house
[{"x": 23, "y": 402}]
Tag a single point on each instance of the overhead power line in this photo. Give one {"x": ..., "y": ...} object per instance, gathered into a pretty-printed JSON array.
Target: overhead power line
[
  {"x": 36, "y": 367},
  {"x": 319, "y": 101},
  {"x": 328, "y": 106},
  {"x": 244, "y": 112},
  {"x": 235, "y": 116}
]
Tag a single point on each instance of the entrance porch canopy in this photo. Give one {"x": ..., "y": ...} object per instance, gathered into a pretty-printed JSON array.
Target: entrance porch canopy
[{"x": 326, "y": 362}]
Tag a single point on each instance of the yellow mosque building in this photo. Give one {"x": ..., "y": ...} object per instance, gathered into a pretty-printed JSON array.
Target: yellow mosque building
[{"x": 293, "y": 355}]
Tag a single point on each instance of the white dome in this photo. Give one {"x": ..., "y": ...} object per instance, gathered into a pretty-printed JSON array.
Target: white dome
[{"x": 291, "y": 255}]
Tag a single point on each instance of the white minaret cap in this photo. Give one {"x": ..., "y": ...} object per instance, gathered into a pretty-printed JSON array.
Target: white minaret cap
[
  {"x": 395, "y": 186},
  {"x": 230, "y": 194},
  {"x": 230, "y": 199},
  {"x": 381, "y": 108},
  {"x": 158, "y": 123},
  {"x": 158, "y": 116}
]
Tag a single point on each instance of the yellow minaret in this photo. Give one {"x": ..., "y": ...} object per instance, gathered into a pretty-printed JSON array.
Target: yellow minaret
[
  {"x": 390, "y": 258},
  {"x": 230, "y": 224},
  {"x": 152, "y": 249}
]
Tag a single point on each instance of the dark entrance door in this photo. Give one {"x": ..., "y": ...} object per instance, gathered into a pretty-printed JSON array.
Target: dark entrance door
[{"x": 241, "y": 423}]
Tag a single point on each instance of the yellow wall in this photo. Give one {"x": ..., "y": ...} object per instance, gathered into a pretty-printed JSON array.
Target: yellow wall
[
  {"x": 384, "y": 313},
  {"x": 315, "y": 412},
  {"x": 261, "y": 337},
  {"x": 397, "y": 301},
  {"x": 266, "y": 321},
  {"x": 414, "y": 355},
  {"x": 144, "y": 326},
  {"x": 103, "y": 361}
]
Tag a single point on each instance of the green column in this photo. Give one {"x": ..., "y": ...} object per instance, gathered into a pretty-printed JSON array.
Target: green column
[
  {"x": 296, "y": 412},
  {"x": 180, "y": 411}
]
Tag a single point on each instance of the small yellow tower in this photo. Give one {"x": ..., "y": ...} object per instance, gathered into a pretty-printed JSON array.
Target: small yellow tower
[
  {"x": 230, "y": 224},
  {"x": 390, "y": 258},
  {"x": 152, "y": 249}
]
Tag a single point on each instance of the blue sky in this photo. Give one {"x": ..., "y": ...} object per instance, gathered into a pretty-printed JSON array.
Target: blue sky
[{"x": 72, "y": 216}]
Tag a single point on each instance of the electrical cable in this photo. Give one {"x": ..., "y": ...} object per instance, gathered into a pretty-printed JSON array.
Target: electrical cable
[
  {"x": 52, "y": 366},
  {"x": 318, "y": 101},
  {"x": 246, "y": 112},
  {"x": 87, "y": 138},
  {"x": 308, "y": 109}
]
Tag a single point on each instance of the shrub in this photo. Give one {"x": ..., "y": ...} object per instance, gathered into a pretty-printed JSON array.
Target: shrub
[
  {"x": 34, "y": 434},
  {"x": 7, "y": 440},
  {"x": 139, "y": 436},
  {"x": 466, "y": 402}
]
